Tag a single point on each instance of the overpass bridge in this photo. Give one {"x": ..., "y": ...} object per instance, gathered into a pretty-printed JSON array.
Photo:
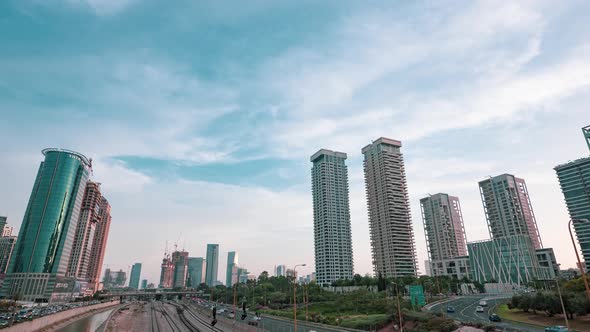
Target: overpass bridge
[{"x": 158, "y": 294}]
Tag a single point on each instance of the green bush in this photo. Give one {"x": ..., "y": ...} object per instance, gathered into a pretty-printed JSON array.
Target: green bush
[{"x": 368, "y": 322}]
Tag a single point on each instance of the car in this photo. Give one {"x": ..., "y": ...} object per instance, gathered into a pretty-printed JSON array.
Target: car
[
  {"x": 556, "y": 328},
  {"x": 483, "y": 303},
  {"x": 231, "y": 315},
  {"x": 253, "y": 322},
  {"x": 450, "y": 309},
  {"x": 479, "y": 309},
  {"x": 495, "y": 318}
]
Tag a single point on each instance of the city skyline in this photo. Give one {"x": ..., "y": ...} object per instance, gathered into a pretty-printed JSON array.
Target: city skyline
[{"x": 213, "y": 146}]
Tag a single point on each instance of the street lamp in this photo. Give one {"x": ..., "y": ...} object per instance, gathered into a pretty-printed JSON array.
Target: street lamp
[
  {"x": 567, "y": 324},
  {"x": 582, "y": 270},
  {"x": 295, "y": 296},
  {"x": 399, "y": 312}
]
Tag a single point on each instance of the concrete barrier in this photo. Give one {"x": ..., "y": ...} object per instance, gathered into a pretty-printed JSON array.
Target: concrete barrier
[{"x": 43, "y": 322}]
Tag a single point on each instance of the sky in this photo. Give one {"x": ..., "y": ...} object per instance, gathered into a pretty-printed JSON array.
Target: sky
[{"x": 201, "y": 116}]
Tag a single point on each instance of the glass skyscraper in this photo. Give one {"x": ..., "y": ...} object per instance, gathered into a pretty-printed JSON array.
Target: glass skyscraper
[
  {"x": 196, "y": 271},
  {"x": 212, "y": 264},
  {"x": 45, "y": 239},
  {"x": 331, "y": 217},
  {"x": 574, "y": 179},
  {"x": 135, "y": 276}
]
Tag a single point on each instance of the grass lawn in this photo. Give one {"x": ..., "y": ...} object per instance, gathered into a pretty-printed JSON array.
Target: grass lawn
[{"x": 540, "y": 319}]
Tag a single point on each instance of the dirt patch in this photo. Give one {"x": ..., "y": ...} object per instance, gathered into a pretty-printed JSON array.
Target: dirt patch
[{"x": 135, "y": 318}]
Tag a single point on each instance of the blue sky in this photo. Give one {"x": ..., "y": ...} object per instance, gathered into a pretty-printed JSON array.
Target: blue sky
[{"x": 201, "y": 116}]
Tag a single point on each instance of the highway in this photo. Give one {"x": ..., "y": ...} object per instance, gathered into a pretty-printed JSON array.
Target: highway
[{"x": 465, "y": 312}]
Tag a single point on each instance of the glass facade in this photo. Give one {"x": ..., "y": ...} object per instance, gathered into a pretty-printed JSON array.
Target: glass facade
[
  {"x": 196, "y": 271},
  {"x": 507, "y": 260},
  {"x": 212, "y": 264},
  {"x": 47, "y": 232},
  {"x": 135, "y": 276}
]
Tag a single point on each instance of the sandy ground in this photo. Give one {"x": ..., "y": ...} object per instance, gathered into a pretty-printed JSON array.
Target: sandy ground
[{"x": 136, "y": 318}]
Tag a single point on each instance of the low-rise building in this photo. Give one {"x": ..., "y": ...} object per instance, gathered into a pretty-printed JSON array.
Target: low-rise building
[{"x": 507, "y": 260}]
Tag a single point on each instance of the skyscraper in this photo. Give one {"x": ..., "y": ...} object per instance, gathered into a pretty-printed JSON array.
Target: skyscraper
[
  {"x": 3, "y": 222},
  {"x": 212, "y": 264},
  {"x": 443, "y": 226},
  {"x": 196, "y": 271},
  {"x": 508, "y": 208},
  {"x": 331, "y": 217},
  {"x": 144, "y": 284},
  {"x": 135, "y": 276},
  {"x": 231, "y": 275},
  {"x": 99, "y": 245},
  {"x": 44, "y": 244},
  {"x": 180, "y": 261},
  {"x": 574, "y": 179},
  {"x": 390, "y": 223},
  {"x": 83, "y": 240}
]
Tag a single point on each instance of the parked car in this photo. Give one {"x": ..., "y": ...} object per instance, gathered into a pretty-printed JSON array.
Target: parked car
[
  {"x": 495, "y": 318},
  {"x": 556, "y": 328},
  {"x": 479, "y": 309},
  {"x": 450, "y": 309},
  {"x": 231, "y": 315}
]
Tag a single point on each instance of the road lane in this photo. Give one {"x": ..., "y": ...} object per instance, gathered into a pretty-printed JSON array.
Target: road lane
[{"x": 465, "y": 312}]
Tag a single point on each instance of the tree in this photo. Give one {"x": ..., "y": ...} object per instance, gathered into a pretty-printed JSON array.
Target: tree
[{"x": 263, "y": 277}]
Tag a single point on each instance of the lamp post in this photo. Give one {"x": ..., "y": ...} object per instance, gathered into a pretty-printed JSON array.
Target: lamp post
[
  {"x": 582, "y": 270},
  {"x": 295, "y": 296},
  {"x": 562, "y": 305},
  {"x": 399, "y": 312}
]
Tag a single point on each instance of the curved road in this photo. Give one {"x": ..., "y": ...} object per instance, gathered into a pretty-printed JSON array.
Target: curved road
[{"x": 465, "y": 312}]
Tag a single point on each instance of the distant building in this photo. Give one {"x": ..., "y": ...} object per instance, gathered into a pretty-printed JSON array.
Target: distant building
[
  {"x": 180, "y": 261},
  {"x": 231, "y": 276},
  {"x": 144, "y": 284},
  {"x": 508, "y": 208},
  {"x": 212, "y": 264},
  {"x": 574, "y": 179},
  {"x": 135, "y": 276},
  {"x": 570, "y": 274},
  {"x": 331, "y": 217},
  {"x": 510, "y": 260},
  {"x": 114, "y": 279},
  {"x": 151, "y": 285},
  {"x": 390, "y": 223},
  {"x": 84, "y": 236},
  {"x": 6, "y": 230},
  {"x": 99, "y": 245},
  {"x": 242, "y": 275},
  {"x": 280, "y": 271},
  {"x": 42, "y": 252},
  {"x": 196, "y": 271},
  {"x": 6, "y": 248}
]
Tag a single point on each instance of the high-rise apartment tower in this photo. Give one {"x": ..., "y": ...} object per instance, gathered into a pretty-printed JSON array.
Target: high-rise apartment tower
[
  {"x": 508, "y": 208},
  {"x": 390, "y": 223},
  {"x": 331, "y": 217},
  {"x": 212, "y": 264}
]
